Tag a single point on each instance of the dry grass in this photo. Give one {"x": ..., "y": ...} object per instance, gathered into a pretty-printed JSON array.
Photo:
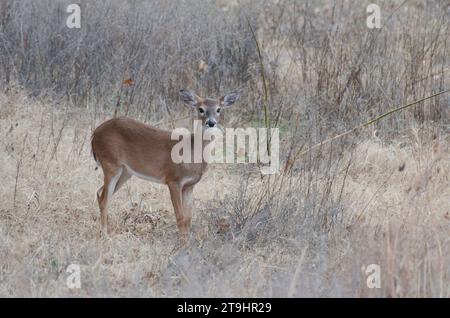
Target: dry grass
[
  {"x": 397, "y": 219},
  {"x": 378, "y": 196}
]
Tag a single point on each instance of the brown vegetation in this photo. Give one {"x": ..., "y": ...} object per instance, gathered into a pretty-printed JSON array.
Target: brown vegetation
[{"x": 378, "y": 196}]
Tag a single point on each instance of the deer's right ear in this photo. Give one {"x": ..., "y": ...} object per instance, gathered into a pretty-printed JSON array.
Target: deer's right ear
[{"x": 189, "y": 98}]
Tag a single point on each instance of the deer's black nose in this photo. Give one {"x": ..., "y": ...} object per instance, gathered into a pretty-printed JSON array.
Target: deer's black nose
[{"x": 211, "y": 123}]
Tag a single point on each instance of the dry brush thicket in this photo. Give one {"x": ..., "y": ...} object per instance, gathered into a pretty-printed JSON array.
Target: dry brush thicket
[{"x": 378, "y": 196}]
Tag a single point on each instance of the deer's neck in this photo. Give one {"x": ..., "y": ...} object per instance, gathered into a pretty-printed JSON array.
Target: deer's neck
[{"x": 198, "y": 139}]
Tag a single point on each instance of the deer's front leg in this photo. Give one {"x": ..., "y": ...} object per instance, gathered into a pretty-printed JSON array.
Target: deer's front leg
[
  {"x": 177, "y": 202},
  {"x": 188, "y": 204}
]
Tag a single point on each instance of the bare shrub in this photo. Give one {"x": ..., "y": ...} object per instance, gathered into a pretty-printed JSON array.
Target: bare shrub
[{"x": 378, "y": 196}]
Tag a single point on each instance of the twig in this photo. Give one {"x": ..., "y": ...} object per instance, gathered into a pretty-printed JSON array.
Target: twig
[
  {"x": 19, "y": 164},
  {"x": 372, "y": 121},
  {"x": 292, "y": 286},
  {"x": 265, "y": 86}
]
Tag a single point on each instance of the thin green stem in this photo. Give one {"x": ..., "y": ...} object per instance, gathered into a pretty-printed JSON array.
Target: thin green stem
[{"x": 374, "y": 120}]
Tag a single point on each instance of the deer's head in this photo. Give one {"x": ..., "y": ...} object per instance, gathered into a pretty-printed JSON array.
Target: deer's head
[{"x": 208, "y": 109}]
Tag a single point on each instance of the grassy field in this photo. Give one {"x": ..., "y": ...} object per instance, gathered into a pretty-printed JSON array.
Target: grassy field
[{"x": 377, "y": 196}]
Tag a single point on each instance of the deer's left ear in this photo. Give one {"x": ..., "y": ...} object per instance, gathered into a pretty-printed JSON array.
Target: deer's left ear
[
  {"x": 229, "y": 99},
  {"x": 189, "y": 98}
]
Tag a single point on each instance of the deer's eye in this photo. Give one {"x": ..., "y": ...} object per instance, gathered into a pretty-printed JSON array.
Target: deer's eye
[
  {"x": 218, "y": 110},
  {"x": 201, "y": 110}
]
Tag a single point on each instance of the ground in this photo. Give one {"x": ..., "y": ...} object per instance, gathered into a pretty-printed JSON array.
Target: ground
[{"x": 387, "y": 204}]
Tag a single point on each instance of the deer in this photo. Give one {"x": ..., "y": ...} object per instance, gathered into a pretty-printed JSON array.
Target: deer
[{"x": 124, "y": 147}]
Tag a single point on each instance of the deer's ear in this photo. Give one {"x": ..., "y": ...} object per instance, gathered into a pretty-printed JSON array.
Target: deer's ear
[
  {"x": 229, "y": 99},
  {"x": 189, "y": 98}
]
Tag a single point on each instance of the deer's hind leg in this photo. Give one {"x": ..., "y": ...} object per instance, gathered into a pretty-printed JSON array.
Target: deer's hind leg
[
  {"x": 112, "y": 174},
  {"x": 124, "y": 177}
]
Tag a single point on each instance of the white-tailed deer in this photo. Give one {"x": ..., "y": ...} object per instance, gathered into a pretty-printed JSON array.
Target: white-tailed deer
[{"x": 124, "y": 147}]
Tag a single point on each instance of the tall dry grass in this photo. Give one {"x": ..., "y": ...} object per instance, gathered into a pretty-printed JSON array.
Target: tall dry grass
[{"x": 379, "y": 196}]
